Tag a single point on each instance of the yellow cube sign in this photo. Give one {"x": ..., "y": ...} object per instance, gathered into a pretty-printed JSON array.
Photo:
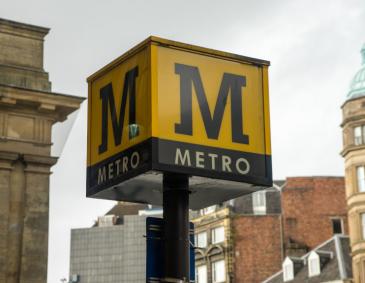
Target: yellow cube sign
[{"x": 169, "y": 106}]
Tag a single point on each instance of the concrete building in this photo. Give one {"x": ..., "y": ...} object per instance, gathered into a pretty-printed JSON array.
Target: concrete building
[
  {"x": 28, "y": 109},
  {"x": 353, "y": 126},
  {"x": 247, "y": 239},
  {"x": 114, "y": 250}
]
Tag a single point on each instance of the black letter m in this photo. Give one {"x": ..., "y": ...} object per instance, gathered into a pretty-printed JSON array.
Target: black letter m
[
  {"x": 189, "y": 78},
  {"x": 107, "y": 102}
]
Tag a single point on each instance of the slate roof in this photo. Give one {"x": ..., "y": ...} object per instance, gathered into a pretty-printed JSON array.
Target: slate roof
[{"x": 337, "y": 268}]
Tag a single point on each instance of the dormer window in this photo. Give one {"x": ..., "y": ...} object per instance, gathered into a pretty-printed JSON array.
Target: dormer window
[
  {"x": 288, "y": 270},
  {"x": 314, "y": 267},
  {"x": 259, "y": 202}
]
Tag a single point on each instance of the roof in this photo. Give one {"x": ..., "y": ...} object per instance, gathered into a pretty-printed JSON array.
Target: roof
[
  {"x": 126, "y": 208},
  {"x": 357, "y": 86},
  {"x": 338, "y": 266},
  {"x": 154, "y": 40}
]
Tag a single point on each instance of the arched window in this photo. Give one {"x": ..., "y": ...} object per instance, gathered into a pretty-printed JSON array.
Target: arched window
[{"x": 314, "y": 267}]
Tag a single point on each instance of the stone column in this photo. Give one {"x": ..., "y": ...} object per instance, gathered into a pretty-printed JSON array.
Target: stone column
[
  {"x": 6, "y": 167},
  {"x": 28, "y": 110}
]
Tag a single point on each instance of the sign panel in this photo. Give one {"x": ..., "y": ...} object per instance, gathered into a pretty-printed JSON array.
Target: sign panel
[
  {"x": 155, "y": 250},
  {"x": 119, "y": 123},
  {"x": 168, "y": 106},
  {"x": 213, "y": 117}
]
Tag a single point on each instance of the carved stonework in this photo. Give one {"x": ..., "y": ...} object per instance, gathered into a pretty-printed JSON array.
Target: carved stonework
[{"x": 28, "y": 109}]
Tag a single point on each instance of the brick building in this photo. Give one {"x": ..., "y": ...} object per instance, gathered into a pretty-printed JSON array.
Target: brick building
[
  {"x": 309, "y": 206},
  {"x": 256, "y": 232}
]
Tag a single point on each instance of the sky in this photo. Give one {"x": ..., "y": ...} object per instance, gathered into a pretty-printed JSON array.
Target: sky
[{"x": 313, "y": 47}]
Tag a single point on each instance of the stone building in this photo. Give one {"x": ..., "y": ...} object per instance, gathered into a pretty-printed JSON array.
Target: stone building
[
  {"x": 353, "y": 126},
  {"x": 247, "y": 239},
  {"x": 28, "y": 109}
]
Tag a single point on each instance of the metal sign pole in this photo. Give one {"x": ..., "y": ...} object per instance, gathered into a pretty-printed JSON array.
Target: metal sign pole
[{"x": 176, "y": 226}]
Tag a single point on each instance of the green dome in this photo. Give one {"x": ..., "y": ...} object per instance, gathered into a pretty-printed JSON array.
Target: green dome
[{"x": 357, "y": 86}]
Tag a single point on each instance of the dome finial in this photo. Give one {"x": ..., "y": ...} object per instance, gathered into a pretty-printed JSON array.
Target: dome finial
[{"x": 363, "y": 54}]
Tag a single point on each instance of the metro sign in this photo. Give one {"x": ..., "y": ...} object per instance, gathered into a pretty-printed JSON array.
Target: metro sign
[{"x": 168, "y": 106}]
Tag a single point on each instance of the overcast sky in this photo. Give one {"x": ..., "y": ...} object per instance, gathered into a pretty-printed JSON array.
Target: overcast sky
[{"x": 313, "y": 47}]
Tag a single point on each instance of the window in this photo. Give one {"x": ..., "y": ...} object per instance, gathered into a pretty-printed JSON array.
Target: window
[
  {"x": 259, "y": 202},
  {"x": 363, "y": 225},
  {"x": 218, "y": 235},
  {"x": 201, "y": 274},
  {"x": 337, "y": 226},
  {"x": 288, "y": 270},
  {"x": 358, "y": 135},
  {"x": 360, "y": 173},
  {"x": 314, "y": 268},
  {"x": 219, "y": 271},
  {"x": 201, "y": 240}
]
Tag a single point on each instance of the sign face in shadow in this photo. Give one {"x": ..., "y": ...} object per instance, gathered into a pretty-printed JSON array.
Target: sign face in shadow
[
  {"x": 168, "y": 106},
  {"x": 155, "y": 250}
]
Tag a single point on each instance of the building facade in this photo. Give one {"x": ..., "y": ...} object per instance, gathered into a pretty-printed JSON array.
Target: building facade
[
  {"x": 353, "y": 126},
  {"x": 110, "y": 252},
  {"x": 28, "y": 109},
  {"x": 247, "y": 239},
  {"x": 114, "y": 249}
]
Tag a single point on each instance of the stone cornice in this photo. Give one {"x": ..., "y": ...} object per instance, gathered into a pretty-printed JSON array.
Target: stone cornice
[
  {"x": 34, "y": 163},
  {"x": 60, "y": 104},
  {"x": 23, "y": 30},
  {"x": 353, "y": 118},
  {"x": 7, "y": 159},
  {"x": 350, "y": 148},
  {"x": 351, "y": 100},
  {"x": 39, "y": 164},
  {"x": 10, "y": 156},
  {"x": 39, "y": 160}
]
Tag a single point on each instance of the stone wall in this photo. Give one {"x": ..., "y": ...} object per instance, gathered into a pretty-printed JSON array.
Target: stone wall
[{"x": 27, "y": 112}]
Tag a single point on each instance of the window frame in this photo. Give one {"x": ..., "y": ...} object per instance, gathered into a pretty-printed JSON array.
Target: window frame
[
  {"x": 197, "y": 239},
  {"x": 362, "y": 222},
  {"x": 358, "y": 139},
  {"x": 197, "y": 273},
  {"x": 341, "y": 222},
  {"x": 360, "y": 182},
  {"x": 214, "y": 263},
  {"x": 213, "y": 236}
]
